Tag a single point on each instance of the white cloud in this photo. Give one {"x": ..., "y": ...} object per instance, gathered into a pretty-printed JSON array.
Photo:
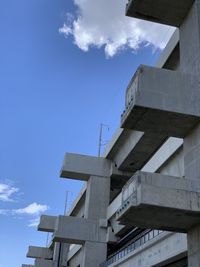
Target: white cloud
[
  {"x": 7, "y": 191},
  {"x": 34, "y": 222},
  {"x": 32, "y": 209},
  {"x": 103, "y": 23}
]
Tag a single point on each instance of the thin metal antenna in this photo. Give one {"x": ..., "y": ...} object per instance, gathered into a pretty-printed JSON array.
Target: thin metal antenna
[
  {"x": 47, "y": 240},
  {"x": 100, "y": 137}
]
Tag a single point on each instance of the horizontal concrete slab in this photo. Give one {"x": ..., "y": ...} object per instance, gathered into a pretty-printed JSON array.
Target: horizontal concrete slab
[
  {"x": 47, "y": 223},
  {"x": 27, "y": 265},
  {"x": 81, "y": 167},
  {"x": 74, "y": 230},
  {"x": 39, "y": 253},
  {"x": 162, "y": 102},
  {"x": 162, "y": 202},
  {"x": 43, "y": 263},
  {"x": 170, "y": 12}
]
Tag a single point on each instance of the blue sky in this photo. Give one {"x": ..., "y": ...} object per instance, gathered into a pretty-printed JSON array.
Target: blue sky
[{"x": 56, "y": 89}]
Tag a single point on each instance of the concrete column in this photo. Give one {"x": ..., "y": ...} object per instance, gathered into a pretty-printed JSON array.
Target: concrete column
[
  {"x": 190, "y": 63},
  {"x": 190, "y": 41},
  {"x": 97, "y": 197},
  {"x": 96, "y": 203},
  {"x": 93, "y": 254}
]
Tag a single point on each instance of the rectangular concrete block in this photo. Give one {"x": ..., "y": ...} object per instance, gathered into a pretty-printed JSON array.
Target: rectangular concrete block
[
  {"x": 47, "y": 223},
  {"x": 81, "y": 167},
  {"x": 74, "y": 230},
  {"x": 160, "y": 202},
  {"x": 39, "y": 253},
  {"x": 168, "y": 12},
  {"x": 162, "y": 101},
  {"x": 27, "y": 265},
  {"x": 43, "y": 263}
]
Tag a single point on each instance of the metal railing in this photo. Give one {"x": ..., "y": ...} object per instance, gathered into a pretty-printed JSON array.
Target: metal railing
[{"x": 131, "y": 247}]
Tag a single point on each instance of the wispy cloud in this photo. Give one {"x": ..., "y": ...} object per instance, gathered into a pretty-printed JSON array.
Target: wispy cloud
[
  {"x": 102, "y": 23},
  {"x": 32, "y": 209},
  {"x": 34, "y": 222},
  {"x": 7, "y": 191}
]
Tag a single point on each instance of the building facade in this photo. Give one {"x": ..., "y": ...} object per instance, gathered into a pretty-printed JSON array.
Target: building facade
[{"x": 140, "y": 205}]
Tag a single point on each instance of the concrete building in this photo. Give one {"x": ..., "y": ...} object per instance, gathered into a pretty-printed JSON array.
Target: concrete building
[{"x": 141, "y": 202}]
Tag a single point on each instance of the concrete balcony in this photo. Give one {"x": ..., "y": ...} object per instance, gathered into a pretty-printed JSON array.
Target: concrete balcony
[
  {"x": 73, "y": 230},
  {"x": 39, "y": 253},
  {"x": 161, "y": 103},
  {"x": 47, "y": 223},
  {"x": 170, "y": 12},
  {"x": 156, "y": 201},
  {"x": 43, "y": 263}
]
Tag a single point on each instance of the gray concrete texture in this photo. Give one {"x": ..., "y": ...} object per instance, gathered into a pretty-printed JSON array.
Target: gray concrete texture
[
  {"x": 170, "y": 12},
  {"x": 159, "y": 201},
  {"x": 47, "y": 223},
  {"x": 44, "y": 263},
  {"x": 79, "y": 230},
  {"x": 162, "y": 101},
  {"x": 39, "y": 253}
]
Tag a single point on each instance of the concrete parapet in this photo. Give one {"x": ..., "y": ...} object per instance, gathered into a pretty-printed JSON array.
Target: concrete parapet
[
  {"x": 47, "y": 223},
  {"x": 39, "y": 253},
  {"x": 73, "y": 230},
  {"x": 162, "y": 202},
  {"x": 162, "y": 101},
  {"x": 168, "y": 12}
]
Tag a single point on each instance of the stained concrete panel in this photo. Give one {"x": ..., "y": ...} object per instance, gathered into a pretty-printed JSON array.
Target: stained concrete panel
[{"x": 170, "y": 12}]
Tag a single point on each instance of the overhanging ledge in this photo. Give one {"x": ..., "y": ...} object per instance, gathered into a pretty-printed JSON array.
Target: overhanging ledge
[{"x": 169, "y": 12}]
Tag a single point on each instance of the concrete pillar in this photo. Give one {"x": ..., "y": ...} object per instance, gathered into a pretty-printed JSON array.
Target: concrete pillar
[
  {"x": 190, "y": 41},
  {"x": 190, "y": 63},
  {"x": 96, "y": 203},
  {"x": 97, "y": 197},
  {"x": 93, "y": 254}
]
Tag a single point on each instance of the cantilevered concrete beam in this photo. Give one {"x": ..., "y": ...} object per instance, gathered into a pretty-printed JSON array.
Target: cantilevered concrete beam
[
  {"x": 170, "y": 12},
  {"x": 82, "y": 167},
  {"x": 43, "y": 263},
  {"x": 73, "y": 230},
  {"x": 27, "y": 265},
  {"x": 160, "y": 202},
  {"x": 47, "y": 223},
  {"x": 39, "y": 253},
  {"x": 162, "y": 102}
]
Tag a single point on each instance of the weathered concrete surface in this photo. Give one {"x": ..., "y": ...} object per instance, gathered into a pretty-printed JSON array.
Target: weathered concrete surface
[
  {"x": 97, "y": 198},
  {"x": 168, "y": 12},
  {"x": 47, "y": 223},
  {"x": 163, "y": 202},
  {"x": 27, "y": 265},
  {"x": 93, "y": 254},
  {"x": 79, "y": 230},
  {"x": 39, "y": 253},
  {"x": 162, "y": 101},
  {"x": 44, "y": 263},
  {"x": 81, "y": 167},
  {"x": 158, "y": 252}
]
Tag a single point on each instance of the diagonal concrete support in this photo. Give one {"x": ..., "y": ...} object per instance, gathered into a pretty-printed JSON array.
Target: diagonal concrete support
[
  {"x": 39, "y": 253},
  {"x": 168, "y": 12},
  {"x": 160, "y": 202}
]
